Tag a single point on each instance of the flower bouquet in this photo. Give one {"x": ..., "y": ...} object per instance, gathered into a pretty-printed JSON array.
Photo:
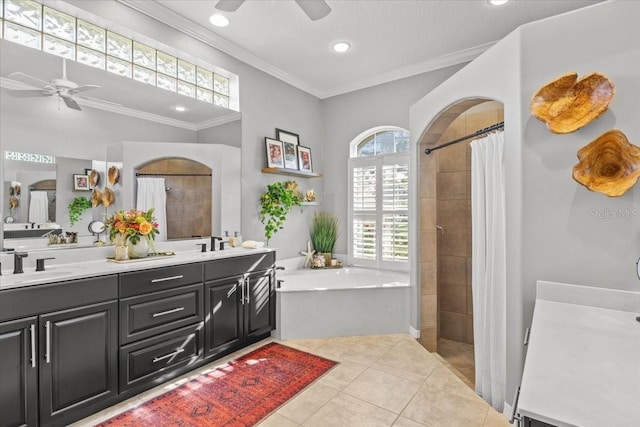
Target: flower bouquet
[{"x": 133, "y": 228}]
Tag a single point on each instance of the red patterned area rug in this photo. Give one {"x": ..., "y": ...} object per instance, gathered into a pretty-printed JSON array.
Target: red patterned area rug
[{"x": 239, "y": 393}]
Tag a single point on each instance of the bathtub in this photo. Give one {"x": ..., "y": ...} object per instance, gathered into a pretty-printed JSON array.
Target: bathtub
[{"x": 341, "y": 302}]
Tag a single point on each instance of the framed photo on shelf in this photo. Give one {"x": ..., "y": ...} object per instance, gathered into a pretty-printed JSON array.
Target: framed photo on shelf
[
  {"x": 304, "y": 159},
  {"x": 275, "y": 155},
  {"x": 290, "y": 155},
  {"x": 80, "y": 182},
  {"x": 87, "y": 171},
  {"x": 286, "y": 136}
]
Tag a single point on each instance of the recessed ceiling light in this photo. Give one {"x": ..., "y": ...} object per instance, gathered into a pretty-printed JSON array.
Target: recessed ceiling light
[
  {"x": 341, "y": 47},
  {"x": 180, "y": 108},
  {"x": 497, "y": 2},
  {"x": 219, "y": 20}
]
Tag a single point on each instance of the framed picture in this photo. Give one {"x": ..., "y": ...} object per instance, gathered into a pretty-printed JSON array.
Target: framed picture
[
  {"x": 286, "y": 136},
  {"x": 80, "y": 182},
  {"x": 275, "y": 157},
  {"x": 290, "y": 155},
  {"x": 87, "y": 171},
  {"x": 304, "y": 159}
]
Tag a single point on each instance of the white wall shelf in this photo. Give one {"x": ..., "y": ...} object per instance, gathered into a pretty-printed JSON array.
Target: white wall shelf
[{"x": 289, "y": 172}]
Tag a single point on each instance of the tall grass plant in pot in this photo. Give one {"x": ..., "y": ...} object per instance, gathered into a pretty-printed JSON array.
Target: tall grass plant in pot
[{"x": 325, "y": 229}]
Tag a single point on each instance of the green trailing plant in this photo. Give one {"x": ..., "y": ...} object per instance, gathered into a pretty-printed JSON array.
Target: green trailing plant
[
  {"x": 275, "y": 204},
  {"x": 324, "y": 231},
  {"x": 77, "y": 208}
]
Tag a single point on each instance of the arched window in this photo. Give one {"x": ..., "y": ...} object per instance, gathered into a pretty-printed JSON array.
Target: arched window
[{"x": 379, "y": 198}]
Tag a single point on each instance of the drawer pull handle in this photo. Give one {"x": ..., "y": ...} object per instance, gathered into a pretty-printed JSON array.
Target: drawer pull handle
[
  {"x": 166, "y": 356},
  {"x": 164, "y": 279},
  {"x": 527, "y": 335},
  {"x": 32, "y": 329},
  {"x": 47, "y": 356},
  {"x": 514, "y": 407},
  {"x": 173, "y": 310}
]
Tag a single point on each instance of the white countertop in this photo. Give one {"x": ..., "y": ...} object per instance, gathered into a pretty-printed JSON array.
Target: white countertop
[
  {"x": 583, "y": 359},
  {"x": 88, "y": 267}
]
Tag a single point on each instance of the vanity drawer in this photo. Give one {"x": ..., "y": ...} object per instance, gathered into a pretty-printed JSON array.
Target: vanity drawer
[
  {"x": 147, "y": 315},
  {"x": 149, "y": 359},
  {"x": 227, "y": 267},
  {"x": 158, "y": 279}
]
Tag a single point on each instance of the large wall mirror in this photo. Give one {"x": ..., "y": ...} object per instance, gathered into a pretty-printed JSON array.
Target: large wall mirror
[{"x": 80, "y": 141}]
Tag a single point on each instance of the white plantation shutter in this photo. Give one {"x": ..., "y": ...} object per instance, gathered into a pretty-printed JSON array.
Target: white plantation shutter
[{"x": 379, "y": 221}]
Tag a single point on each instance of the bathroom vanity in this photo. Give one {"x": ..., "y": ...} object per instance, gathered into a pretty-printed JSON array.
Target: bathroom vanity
[
  {"x": 582, "y": 360},
  {"x": 75, "y": 341}
]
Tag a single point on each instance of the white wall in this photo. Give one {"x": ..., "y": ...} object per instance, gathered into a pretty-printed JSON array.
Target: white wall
[
  {"x": 346, "y": 116},
  {"x": 551, "y": 232}
]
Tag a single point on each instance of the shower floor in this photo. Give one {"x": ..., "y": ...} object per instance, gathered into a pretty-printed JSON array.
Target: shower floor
[{"x": 459, "y": 356}]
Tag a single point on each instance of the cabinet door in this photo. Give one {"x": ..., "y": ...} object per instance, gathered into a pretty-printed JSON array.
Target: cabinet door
[
  {"x": 259, "y": 307},
  {"x": 18, "y": 373},
  {"x": 79, "y": 364},
  {"x": 224, "y": 315}
]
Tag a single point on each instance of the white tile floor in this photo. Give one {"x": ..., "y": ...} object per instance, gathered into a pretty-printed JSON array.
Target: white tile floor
[{"x": 388, "y": 380}]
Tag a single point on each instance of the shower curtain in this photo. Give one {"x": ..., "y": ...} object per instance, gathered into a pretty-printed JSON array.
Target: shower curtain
[
  {"x": 152, "y": 194},
  {"x": 488, "y": 277},
  {"x": 38, "y": 207}
]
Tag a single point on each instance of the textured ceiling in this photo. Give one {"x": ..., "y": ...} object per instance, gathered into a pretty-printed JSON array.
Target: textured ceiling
[{"x": 390, "y": 38}]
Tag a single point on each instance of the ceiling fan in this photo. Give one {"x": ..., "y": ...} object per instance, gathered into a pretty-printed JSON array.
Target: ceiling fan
[
  {"x": 63, "y": 87},
  {"x": 316, "y": 9}
]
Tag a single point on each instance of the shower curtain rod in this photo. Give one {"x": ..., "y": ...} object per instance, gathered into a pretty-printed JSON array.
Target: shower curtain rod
[
  {"x": 464, "y": 138},
  {"x": 172, "y": 174}
]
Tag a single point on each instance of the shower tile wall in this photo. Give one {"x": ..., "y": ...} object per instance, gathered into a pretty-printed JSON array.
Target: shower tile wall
[{"x": 445, "y": 200}]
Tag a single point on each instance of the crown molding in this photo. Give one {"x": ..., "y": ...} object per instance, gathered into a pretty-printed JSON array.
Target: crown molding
[
  {"x": 433, "y": 64},
  {"x": 170, "y": 18},
  {"x": 231, "y": 117},
  {"x": 202, "y": 34}
]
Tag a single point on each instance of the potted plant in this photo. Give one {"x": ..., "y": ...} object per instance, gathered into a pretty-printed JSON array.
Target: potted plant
[
  {"x": 275, "y": 204},
  {"x": 324, "y": 233},
  {"x": 77, "y": 208}
]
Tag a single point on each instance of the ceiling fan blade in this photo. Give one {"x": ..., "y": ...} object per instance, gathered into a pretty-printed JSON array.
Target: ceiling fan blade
[
  {"x": 84, "y": 88},
  {"x": 28, "y": 93},
  {"x": 316, "y": 9},
  {"x": 228, "y": 5},
  {"x": 70, "y": 102},
  {"x": 25, "y": 78}
]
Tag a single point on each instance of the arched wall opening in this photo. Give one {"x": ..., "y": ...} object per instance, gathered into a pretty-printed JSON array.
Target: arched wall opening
[{"x": 444, "y": 193}]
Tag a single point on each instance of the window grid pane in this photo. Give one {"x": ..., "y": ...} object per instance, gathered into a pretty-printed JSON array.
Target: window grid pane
[
  {"x": 144, "y": 75},
  {"x": 22, "y": 35},
  {"x": 58, "y": 47},
  {"x": 167, "y": 64},
  {"x": 395, "y": 187},
  {"x": 91, "y": 57},
  {"x": 119, "y": 46},
  {"x": 144, "y": 55},
  {"x": 364, "y": 238},
  {"x": 91, "y": 36},
  {"x": 24, "y": 12},
  {"x": 119, "y": 67},
  {"x": 59, "y": 24},
  {"x": 186, "y": 71},
  {"x": 395, "y": 237},
  {"x": 364, "y": 188}
]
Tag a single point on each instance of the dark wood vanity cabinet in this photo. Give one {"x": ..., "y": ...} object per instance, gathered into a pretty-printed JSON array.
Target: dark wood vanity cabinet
[
  {"x": 59, "y": 362},
  {"x": 240, "y": 308},
  {"x": 18, "y": 373},
  {"x": 72, "y": 348},
  {"x": 161, "y": 324}
]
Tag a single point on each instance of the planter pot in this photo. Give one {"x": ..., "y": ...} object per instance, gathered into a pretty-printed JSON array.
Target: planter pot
[{"x": 139, "y": 249}]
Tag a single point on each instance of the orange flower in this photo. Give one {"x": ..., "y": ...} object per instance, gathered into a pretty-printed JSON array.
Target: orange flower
[{"x": 145, "y": 228}]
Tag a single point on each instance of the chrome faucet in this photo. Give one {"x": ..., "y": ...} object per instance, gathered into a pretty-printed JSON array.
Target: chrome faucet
[{"x": 17, "y": 262}]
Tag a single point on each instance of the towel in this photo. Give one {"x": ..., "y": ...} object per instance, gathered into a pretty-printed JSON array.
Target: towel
[
  {"x": 39, "y": 207},
  {"x": 252, "y": 244}
]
